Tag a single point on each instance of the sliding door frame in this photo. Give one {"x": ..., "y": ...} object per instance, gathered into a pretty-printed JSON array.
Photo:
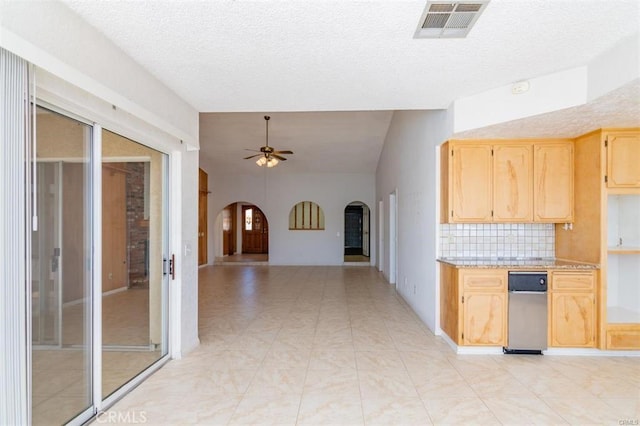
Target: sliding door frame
[{"x": 170, "y": 329}]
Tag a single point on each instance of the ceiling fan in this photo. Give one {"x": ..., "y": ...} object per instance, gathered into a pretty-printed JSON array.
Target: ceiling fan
[{"x": 268, "y": 155}]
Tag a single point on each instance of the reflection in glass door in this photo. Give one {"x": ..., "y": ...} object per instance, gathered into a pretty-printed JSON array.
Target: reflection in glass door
[
  {"x": 47, "y": 271},
  {"x": 132, "y": 292},
  {"x": 134, "y": 288},
  {"x": 61, "y": 272}
]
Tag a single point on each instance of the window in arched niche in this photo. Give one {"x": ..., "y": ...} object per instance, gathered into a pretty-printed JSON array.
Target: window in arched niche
[{"x": 306, "y": 216}]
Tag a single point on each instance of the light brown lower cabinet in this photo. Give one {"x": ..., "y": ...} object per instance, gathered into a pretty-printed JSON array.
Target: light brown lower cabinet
[
  {"x": 474, "y": 308},
  {"x": 572, "y": 309},
  {"x": 623, "y": 336},
  {"x": 484, "y": 318},
  {"x": 473, "y": 305}
]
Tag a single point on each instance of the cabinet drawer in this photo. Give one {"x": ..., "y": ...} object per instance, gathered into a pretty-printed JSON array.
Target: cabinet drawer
[
  {"x": 623, "y": 339},
  {"x": 483, "y": 280},
  {"x": 583, "y": 281}
]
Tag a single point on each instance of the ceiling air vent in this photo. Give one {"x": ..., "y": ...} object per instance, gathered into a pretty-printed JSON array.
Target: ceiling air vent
[{"x": 449, "y": 20}]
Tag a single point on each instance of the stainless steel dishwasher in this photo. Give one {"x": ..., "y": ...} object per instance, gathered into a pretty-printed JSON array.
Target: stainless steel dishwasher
[{"x": 527, "y": 325}]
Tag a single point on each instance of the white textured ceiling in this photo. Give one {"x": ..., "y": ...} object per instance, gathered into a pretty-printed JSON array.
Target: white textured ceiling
[
  {"x": 340, "y": 55},
  {"x": 300, "y": 61}
]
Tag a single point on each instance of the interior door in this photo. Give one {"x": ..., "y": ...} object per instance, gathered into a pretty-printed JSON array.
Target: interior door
[
  {"x": 365, "y": 231},
  {"x": 227, "y": 230},
  {"x": 381, "y": 235},
  {"x": 202, "y": 218},
  {"x": 255, "y": 231},
  {"x": 114, "y": 227},
  {"x": 353, "y": 219},
  {"x": 393, "y": 237}
]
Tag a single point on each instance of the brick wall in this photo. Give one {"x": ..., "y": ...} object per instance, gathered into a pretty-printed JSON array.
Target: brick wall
[{"x": 137, "y": 225}]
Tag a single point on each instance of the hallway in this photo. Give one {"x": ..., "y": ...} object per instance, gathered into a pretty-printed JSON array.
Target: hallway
[{"x": 336, "y": 345}]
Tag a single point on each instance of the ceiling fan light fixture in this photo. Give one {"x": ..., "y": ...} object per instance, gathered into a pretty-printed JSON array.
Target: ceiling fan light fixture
[
  {"x": 268, "y": 156},
  {"x": 268, "y": 161}
]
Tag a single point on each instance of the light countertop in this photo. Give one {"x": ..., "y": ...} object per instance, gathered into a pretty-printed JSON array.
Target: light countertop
[{"x": 516, "y": 263}]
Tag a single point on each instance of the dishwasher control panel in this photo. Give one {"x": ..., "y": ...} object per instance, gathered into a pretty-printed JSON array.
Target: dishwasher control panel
[{"x": 527, "y": 281}]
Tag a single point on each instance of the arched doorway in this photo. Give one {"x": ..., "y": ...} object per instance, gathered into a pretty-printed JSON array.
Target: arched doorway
[
  {"x": 241, "y": 234},
  {"x": 356, "y": 232}
]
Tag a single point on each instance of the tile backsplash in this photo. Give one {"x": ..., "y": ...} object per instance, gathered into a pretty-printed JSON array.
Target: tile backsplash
[{"x": 497, "y": 240}]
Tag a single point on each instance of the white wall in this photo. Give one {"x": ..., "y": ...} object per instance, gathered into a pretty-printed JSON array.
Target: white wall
[
  {"x": 548, "y": 93},
  {"x": 79, "y": 70},
  {"x": 564, "y": 89},
  {"x": 275, "y": 192},
  {"x": 614, "y": 68},
  {"x": 54, "y": 38},
  {"x": 187, "y": 251},
  {"x": 409, "y": 164}
]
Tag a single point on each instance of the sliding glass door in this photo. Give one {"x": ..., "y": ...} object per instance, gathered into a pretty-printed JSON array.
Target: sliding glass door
[
  {"x": 134, "y": 287},
  {"x": 61, "y": 262},
  {"x": 93, "y": 334}
]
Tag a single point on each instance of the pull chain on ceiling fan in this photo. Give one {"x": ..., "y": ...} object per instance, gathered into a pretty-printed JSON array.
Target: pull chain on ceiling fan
[{"x": 268, "y": 155}]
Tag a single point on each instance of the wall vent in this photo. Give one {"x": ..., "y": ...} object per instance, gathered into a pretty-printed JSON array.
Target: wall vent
[{"x": 449, "y": 19}]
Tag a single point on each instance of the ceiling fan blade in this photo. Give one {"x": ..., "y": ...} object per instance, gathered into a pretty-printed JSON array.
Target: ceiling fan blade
[
  {"x": 251, "y": 156},
  {"x": 278, "y": 157},
  {"x": 283, "y": 152}
]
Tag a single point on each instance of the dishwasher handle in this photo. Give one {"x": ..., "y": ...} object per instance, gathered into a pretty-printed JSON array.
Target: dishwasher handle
[{"x": 527, "y": 292}]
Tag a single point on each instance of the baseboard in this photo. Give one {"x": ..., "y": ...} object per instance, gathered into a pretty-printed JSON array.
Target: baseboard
[
  {"x": 496, "y": 350},
  {"x": 588, "y": 352}
]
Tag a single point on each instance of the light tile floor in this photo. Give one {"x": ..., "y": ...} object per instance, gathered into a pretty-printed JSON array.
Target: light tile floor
[
  {"x": 60, "y": 379},
  {"x": 337, "y": 345}
]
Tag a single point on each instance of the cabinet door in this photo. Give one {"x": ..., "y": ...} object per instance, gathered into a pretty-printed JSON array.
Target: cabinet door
[
  {"x": 572, "y": 320},
  {"x": 553, "y": 182},
  {"x": 512, "y": 183},
  {"x": 623, "y": 160},
  {"x": 484, "y": 319},
  {"x": 470, "y": 178}
]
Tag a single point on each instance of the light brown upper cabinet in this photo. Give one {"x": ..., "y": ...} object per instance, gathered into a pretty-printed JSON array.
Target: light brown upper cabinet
[
  {"x": 553, "y": 182},
  {"x": 471, "y": 183},
  {"x": 623, "y": 159},
  {"x": 512, "y": 183},
  {"x": 495, "y": 181}
]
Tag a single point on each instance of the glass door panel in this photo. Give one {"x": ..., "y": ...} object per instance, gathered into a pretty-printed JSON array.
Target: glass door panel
[
  {"x": 134, "y": 288},
  {"x": 61, "y": 272}
]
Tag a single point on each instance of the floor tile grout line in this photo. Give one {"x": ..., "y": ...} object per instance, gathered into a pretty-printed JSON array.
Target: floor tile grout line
[{"x": 359, "y": 380}]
